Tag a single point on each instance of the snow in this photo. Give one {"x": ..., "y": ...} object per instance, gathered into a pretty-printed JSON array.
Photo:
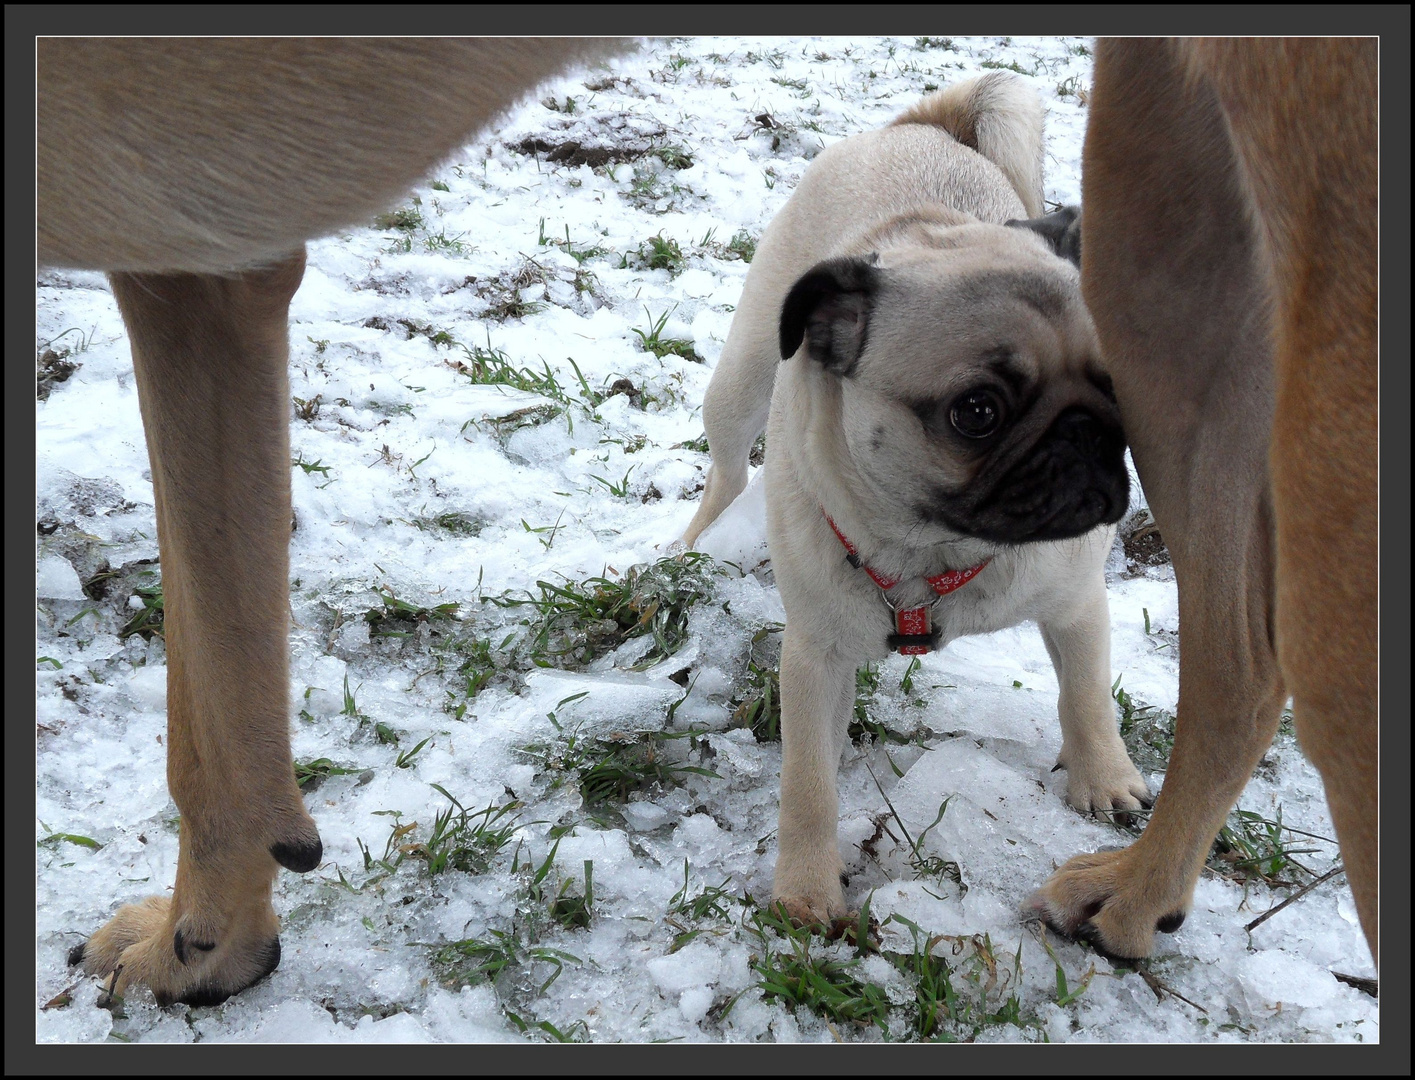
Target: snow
[{"x": 440, "y": 491}]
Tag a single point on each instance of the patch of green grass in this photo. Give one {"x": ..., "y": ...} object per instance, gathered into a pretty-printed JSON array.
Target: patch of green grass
[
  {"x": 756, "y": 703},
  {"x": 399, "y": 618},
  {"x": 710, "y": 902},
  {"x": 405, "y": 219},
  {"x": 610, "y": 769},
  {"x": 674, "y": 157},
  {"x": 54, "y": 839},
  {"x": 621, "y": 489},
  {"x": 455, "y": 522},
  {"x": 480, "y": 661},
  {"x": 462, "y": 839},
  {"x": 743, "y": 245},
  {"x": 653, "y": 341},
  {"x": 351, "y": 706},
  {"x": 646, "y": 189},
  {"x": 613, "y": 769},
  {"x": 492, "y": 367},
  {"x": 802, "y": 977},
  {"x": 573, "y": 909},
  {"x": 440, "y": 241},
  {"x": 478, "y": 960},
  {"x": 924, "y": 865},
  {"x": 310, "y": 467},
  {"x": 310, "y": 774},
  {"x": 1147, "y": 730},
  {"x": 955, "y": 1002},
  {"x": 773, "y": 59},
  {"x": 700, "y": 444},
  {"x": 866, "y": 686},
  {"x": 405, "y": 758},
  {"x": 1253, "y": 848},
  {"x": 579, "y": 254},
  {"x": 799, "y": 85},
  {"x": 1011, "y": 65},
  {"x": 945, "y": 43},
  {"x": 662, "y": 253},
  {"x": 147, "y": 621},
  {"x": 555, "y": 105},
  {"x": 579, "y": 621}
]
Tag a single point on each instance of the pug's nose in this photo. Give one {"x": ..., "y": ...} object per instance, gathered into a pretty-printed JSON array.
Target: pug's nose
[{"x": 1082, "y": 429}]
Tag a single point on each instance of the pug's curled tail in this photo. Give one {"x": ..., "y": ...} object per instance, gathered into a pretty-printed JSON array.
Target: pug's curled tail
[{"x": 1000, "y": 117}]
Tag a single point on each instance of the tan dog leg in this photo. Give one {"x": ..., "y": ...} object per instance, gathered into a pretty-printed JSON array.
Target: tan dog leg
[
  {"x": 1173, "y": 275},
  {"x": 1100, "y": 777},
  {"x": 210, "y": 354},
  {"x": 1303, "y": 114},
  {"x": 737, "y": 402},
  {"x": 816, "y": 696}
]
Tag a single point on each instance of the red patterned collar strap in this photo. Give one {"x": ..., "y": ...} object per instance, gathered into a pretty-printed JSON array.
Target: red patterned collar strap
[
  {"x": 914, "y": 628},
  {"x": 950, "y": 580},
  {"x": 853, "y": 557}
]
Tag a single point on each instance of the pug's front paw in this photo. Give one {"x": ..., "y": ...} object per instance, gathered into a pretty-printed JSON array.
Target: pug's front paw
[
  {"x": 1104, "y": 783},
  {"x": 809, "y": 891}
]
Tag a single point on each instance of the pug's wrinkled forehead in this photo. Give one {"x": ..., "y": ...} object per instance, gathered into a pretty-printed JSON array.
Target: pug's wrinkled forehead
[{"x": 1006, "y": 305}]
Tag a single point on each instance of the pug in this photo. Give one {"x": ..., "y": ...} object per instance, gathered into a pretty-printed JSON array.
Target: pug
[{"x": 945, "y": 455}]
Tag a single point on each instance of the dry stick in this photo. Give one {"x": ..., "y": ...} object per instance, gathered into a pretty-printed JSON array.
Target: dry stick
[
  {"x": 1160, "y": 987},
  {"x": 1265, "y": 916},
  {"x": 1366, "y": 986}
]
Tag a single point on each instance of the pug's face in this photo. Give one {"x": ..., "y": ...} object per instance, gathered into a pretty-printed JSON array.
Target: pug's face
[{"x": 972, "y": 399}]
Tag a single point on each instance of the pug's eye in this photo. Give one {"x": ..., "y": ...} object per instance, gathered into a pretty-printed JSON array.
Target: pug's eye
[{"x": 977, "y": 414}]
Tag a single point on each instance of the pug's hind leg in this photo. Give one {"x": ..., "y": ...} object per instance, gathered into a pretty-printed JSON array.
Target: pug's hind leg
[
  {"x": 1100, "y": 778},
  {"x": 815, "y": 701},
  {"x": 735, "y": 406}
]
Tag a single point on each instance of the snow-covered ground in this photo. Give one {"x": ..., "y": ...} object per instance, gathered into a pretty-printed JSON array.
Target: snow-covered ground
[{"x": 414, "y": 482}]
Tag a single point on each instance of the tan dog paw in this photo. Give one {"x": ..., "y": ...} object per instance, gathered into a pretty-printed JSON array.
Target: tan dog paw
[
  {"x": 181, "y": 959},
  {"x": 804, "y": 911},
  {"x": 1093, "y": 898},
  {"x": 1104, "y": 783},
  {"x": 808, "y": 890}
]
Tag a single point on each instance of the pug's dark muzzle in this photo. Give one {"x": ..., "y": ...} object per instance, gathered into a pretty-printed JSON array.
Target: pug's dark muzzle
[{"x": 1068, "y": 482}]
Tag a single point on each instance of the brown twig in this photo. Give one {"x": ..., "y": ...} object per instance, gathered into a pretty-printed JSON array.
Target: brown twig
[
  {"x": 1161, "y": 988},
  {"x": 1366, "y": 986},
  {"x": 1265, "y": 916}
]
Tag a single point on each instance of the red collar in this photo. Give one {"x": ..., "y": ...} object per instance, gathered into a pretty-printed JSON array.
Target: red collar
[{"x": 915, "y": 633}]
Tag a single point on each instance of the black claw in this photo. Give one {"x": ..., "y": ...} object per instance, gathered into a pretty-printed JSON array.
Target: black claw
[
  {"x": 76, "y": 954},
  {"x": 1057, "y": 767},
  {"x": 300, "y": 856},
  {"x": 1170, "y": 923},
  {"x": 1090, "y": 935}
]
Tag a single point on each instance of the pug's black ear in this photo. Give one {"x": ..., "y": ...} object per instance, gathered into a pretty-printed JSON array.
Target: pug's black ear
[
  {"x": 1061, "y": 229},
  {"x": 830, "y": 308}
]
